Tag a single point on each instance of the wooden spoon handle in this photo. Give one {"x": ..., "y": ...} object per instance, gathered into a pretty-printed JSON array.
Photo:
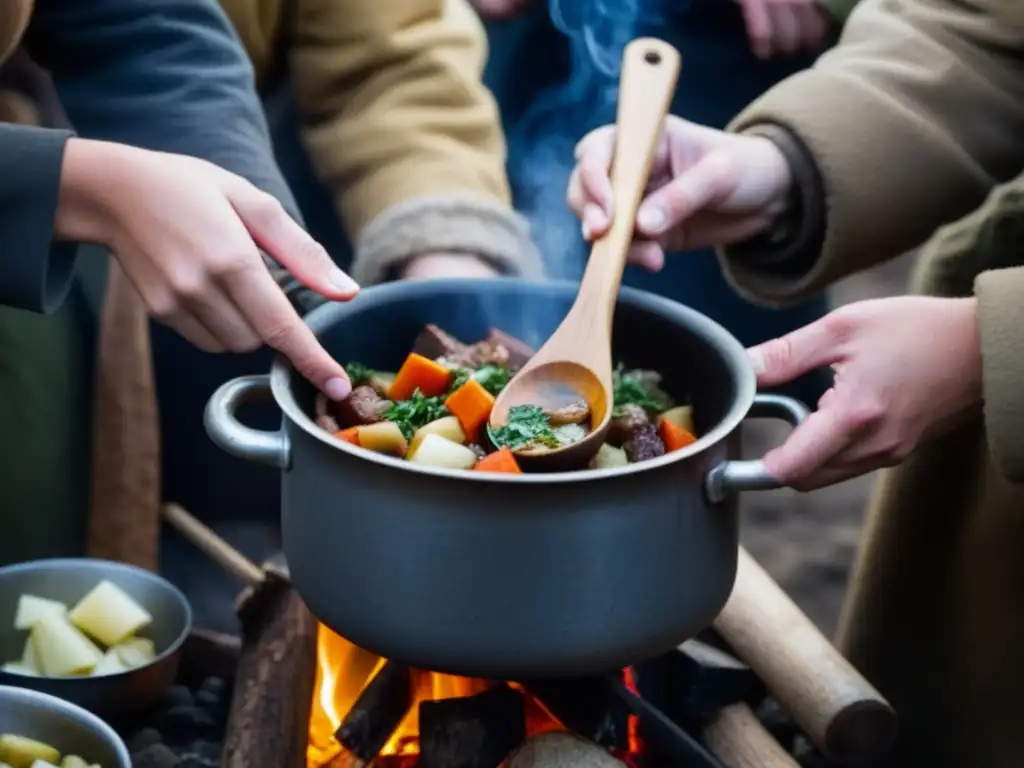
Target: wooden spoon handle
[
  {"x": 840, "y": 711},
  {"x": 650, "y": 70}
]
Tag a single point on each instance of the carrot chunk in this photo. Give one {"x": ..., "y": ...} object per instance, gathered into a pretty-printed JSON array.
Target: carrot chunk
[
  {"x": 502, "y": 460},
  {"x": 350, "y": 435},
  {"x": 418, "y": 372},
  {"x": 471, "y": 404},
  {"x": 673, "y": 436}
]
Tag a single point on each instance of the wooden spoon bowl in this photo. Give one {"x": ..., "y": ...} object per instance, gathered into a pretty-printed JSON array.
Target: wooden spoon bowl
[{"x": 576, "y": 362}]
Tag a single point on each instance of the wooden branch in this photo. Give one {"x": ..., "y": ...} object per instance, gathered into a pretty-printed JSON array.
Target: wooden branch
[{"x": 736, "y": 737}]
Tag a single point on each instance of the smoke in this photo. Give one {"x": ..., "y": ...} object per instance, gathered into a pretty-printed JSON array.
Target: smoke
[{"x": 597, "y": 31}]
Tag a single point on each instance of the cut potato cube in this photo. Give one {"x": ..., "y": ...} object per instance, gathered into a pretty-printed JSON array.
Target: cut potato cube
[
  {"x": 447, "y": 427},
  {"x": 682, "y": 417},
  {"x": 436, "y": 451},
  {"x": 73, "y": 761},
  {"x": 108, "y": 614},
  {"x": 609, "y": 456},
  {"x": 137, "y": 652},
  {"x": 110, "y": 664},
  {"x": 383, "y": 437},
  {"x": 20, "y": 752},
  {"x": 29, "y": 658},
  {"x": 63, "y": 650},
  {"x": 17, "y": 668},
  {"x": 143, "y": 645},
  {"x": 32, "y": 608}
]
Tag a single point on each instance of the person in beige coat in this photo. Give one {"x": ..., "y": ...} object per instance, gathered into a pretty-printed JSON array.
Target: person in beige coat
[{"x": 908, "y": 124}]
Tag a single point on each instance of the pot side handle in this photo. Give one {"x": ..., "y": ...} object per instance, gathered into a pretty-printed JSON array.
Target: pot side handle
[
  {"x": 731, "y": 477},
  {"x": 224, "y": 428}
]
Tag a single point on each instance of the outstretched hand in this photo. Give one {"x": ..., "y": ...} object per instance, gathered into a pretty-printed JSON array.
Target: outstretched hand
[{"x": 906, "y": 369}]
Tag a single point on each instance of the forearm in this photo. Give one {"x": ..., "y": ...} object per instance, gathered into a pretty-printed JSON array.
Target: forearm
[{"x": 175, "y": 80}]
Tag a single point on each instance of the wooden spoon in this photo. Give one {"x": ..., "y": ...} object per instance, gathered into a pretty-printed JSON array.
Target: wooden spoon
[{"x": 576, "y": 362}]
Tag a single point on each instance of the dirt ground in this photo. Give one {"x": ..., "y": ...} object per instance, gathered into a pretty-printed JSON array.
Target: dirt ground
[{"x": 808, "y": 541}]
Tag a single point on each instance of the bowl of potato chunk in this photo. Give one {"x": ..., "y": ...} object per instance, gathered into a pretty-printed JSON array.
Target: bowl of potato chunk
[
  {"x": 41, "y": 731},
  {"x": 103, "y": 635}
]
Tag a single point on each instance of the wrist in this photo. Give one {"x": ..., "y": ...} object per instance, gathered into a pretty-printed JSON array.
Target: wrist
[{"x": 86, "y": 209}]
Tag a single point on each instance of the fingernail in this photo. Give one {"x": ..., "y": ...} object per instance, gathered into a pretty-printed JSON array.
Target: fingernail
[
  {"x": 585, "y": 229},
  {"x": 756, "y": 360},
  {"x": 651, "y": 220},
  {"x": 342, "y": 281},
  {"x": 337, "y": 388}
]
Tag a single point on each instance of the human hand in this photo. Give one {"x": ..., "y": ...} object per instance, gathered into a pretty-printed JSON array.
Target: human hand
[
  {"x": 500, "y": 10},
  {"x": 188, "y": 234},
  {"x": 785, "y": 27},
  {"x": 907, "y": 369},
  {"x": 707, "y": 187},
  {"x": 431, "y": 265}
]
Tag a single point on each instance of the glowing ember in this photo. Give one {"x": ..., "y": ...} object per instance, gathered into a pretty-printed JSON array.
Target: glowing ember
[{"x": 344, "y": 671}]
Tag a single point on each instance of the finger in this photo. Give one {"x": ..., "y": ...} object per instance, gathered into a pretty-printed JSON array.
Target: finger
[
  {"x": 647, "y": 254},
  {"x": 267, "y": 310},
  {"x": 811, "y": 446},
  {"x": 781, "y": 360},
  {"x": 708, "y": 229},
  {"x": 836, "y": 472},
  {"x": 194, "y": 331},
  {"x": 759, "y": 27},
  {"x": 785, "y": 27},
  {"x": 691, "y": 191},
  {"x": 595, "y": 184},
  {"x": 595, "y": 221},
  {"x": 219, "y": 316},
  {"x": 290, "y": 245},
  {"x": 814, "y": 25}
]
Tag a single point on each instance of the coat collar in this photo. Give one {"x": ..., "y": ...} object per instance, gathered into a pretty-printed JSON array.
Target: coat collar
[{"x": 14, "y": 17}]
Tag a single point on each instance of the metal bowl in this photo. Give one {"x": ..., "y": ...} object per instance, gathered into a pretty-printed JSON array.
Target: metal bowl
[
  {"x": 68, "y": 580},
  {"x": 67, "y": 728}
]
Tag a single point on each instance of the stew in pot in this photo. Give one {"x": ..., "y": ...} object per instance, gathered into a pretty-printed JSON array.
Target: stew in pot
[{"x": 434, "y": 410}]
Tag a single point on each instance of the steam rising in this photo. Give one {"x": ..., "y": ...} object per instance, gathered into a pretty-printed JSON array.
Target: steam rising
[{"x": 598, "y": 31}]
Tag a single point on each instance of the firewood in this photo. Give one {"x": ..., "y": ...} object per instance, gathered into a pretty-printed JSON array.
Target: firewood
[
  {"x": 472, "y": 731},
  {"x": 377, "y": 713}
]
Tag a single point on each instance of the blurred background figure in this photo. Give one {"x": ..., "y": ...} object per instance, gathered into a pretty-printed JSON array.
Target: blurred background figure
[{"x": 554, "y": 67}]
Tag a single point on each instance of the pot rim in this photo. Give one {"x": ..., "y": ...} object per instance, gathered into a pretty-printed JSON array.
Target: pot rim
[{"x": 734, "y": 356}]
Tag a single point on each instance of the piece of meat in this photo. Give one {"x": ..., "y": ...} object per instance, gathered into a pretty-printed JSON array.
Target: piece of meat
[
  {"x": 362, "y": 406},
  {"x": 644, "y": 444},
  {"x": 323, "y": 414},
  {"x": 434, "y": 343},
  {"x": 630, "y": 418},
  {"x": 574, "y": 413},
  {"x": 519, "y": 352}
]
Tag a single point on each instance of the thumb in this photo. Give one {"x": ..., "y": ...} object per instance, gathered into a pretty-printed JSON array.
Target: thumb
[
  {"x": 691, "y": 191},
  {"x": 289, "y": 244},
  {"x": 781, "y": 360}
]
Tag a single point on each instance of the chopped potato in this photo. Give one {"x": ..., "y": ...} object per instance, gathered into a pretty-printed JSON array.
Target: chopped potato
[
  {"x": 110, "y": 664},
  {"x": 73, "y": 761},
  {"x": 63, "y": 650},
  {"x": 682, "y": 417},
  {"x": 108, "y": 614},
  {"x": 135, "y": 653},
  {"x": 143, "y": 645},
  {"x": 32, "y": 608},
  {"x": 21, "y": 752},
  {"x": 447, "y": 427},
  {"x": 383, "y": 437},
  {"x": 436, "y": 451},
  {"x": 17, "y": 668},
  {"x": 29, "y": 658},
  {"x": 609, "y": 456}
]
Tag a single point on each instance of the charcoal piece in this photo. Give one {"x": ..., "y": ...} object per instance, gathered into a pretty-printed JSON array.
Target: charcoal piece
[
  {"x": 142, "y": 739},
  {"x": 201, "y": 754},
  {"x": 175, "y": 696},
  {"x": 702, "y": 679},
  {"x": 379, "y": 710},
  {"x": 212, "y": 697},
  {"x": 155, "y": 756},
  {"x": 472, "y": 731},
  {"x": 587, "y": 706},
  {"x": 181, "y": 725}
]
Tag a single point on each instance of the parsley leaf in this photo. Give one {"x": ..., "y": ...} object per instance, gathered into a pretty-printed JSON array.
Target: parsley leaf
[
  {"x": 526, "y": 425},
  {"x": 415, "y": 412},
  {"x": 636, "y": 387},
  {"x": 460, "y": 377},
  {"x": 357, "y": 372},
  {"x": 493, "y": 378}
]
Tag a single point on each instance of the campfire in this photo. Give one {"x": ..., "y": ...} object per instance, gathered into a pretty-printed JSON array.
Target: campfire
[{"x": 370, "y": 711}]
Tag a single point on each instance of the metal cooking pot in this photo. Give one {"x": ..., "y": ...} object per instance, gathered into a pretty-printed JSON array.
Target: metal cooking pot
[{"x": 510, "y": 576}]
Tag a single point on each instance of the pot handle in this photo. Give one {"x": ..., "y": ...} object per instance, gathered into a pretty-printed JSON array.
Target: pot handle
[
  {"x": 224, "y": 428},
  {"x": 731, "y": 477}
]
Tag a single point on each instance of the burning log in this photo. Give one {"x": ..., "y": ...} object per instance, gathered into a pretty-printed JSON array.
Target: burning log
[
  {"x": 472, "y": 731},
  {"x": 376, "y": 714},
  {"x": 587, "y": 706}
]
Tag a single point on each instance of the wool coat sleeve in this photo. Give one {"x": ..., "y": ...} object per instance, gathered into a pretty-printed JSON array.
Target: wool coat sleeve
[
  {"x": 908, "y": 123},
  {"x": 402, "y": 131},
  {"x": 168, "y": 76}
]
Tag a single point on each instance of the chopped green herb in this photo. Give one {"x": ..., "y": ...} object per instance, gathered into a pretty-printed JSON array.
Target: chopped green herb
[
  {"x": 462, "y": 375},
  {"x": 637, "y": 387},
  {"x": 358, "y": 373},
  {"x": 493, "y": 378},
  {"x": 415, "y": 412},
  {"x": 526, "y": 425}
]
